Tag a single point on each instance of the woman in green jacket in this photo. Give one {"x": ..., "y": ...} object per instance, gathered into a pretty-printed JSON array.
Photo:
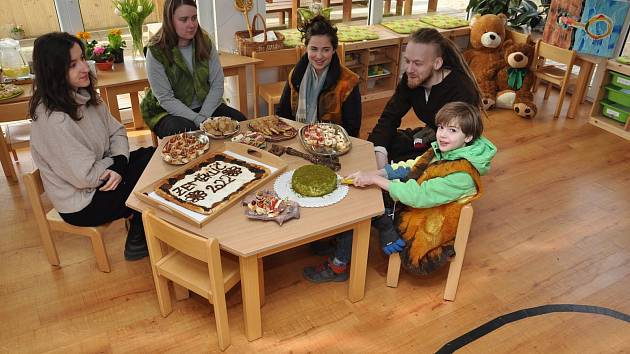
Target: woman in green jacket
[{"x": 185, "y": 74}]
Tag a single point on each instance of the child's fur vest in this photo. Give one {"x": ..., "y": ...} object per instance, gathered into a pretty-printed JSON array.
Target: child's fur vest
[{"x": 429, "y": 232}]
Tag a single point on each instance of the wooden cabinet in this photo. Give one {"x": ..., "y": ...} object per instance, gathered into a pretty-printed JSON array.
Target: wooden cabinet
[
  {"x": 597, "y": 118},
  {"x": 376, "y": 62}
]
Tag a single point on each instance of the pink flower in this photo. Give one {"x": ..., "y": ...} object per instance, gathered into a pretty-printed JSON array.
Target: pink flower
[{"x": 99, "y": 50}]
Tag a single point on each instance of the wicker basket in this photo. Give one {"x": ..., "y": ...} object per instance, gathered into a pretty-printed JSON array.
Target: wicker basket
[{"x": 246, "y": 46}]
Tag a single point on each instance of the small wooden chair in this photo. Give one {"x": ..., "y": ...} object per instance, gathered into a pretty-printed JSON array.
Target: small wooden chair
[
  {"x": 52, "y": 221},
  {"x": 455, "y": 268},
  {"x": 551, "y": 73},
  {"x": 17, "y": 135},
  {"x": 192, "y": 262},
  {"x": 272, "y": 92}
]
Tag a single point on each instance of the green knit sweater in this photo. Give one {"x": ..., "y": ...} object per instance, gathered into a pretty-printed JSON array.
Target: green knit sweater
[{"x": 185, "y": 84}]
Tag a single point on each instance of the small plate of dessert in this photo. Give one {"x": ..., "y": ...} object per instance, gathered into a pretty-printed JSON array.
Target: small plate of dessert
[
  {"x": 255, "y": 139},
  {"x": 325, "y": 139},
  {"x": 182, "y": 148},
  {"x": 267, "y": 205},
  {"x": 220, "y": 127},
  {"x": 311, "y": 186}
]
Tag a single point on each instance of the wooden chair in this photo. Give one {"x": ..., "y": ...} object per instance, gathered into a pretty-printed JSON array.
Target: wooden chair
[
  {"x": 192, "y": 262},
  {"x": 17, "y": 135},
  {"x": 52, "y": 221},
  {"x": 272, "y": 92},
  {"x": 551, "y": 73},
  {"x": 455, "y": 268}
]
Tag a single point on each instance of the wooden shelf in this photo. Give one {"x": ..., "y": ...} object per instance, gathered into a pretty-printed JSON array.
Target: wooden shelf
[
  {"x": 596, "y": 118},
  {"x": 610, "y": 125}
]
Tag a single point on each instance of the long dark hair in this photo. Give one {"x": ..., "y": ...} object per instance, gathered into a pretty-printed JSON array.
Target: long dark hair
[
  {"x": 451, "y": 57},
  {"x": 51, "y": 62},
  {"x": 319, "y": 26},
  {"x": 166, "y": 38}
]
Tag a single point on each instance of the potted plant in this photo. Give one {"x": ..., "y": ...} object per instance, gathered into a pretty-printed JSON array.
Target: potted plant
[
  {"x": 103, "y": 56},
  {"x": 519, "y": 12},
  {"x": 116, "y": 44},
  {"x": 17, "y": 32},
  {"x": 134, "y": 12}
]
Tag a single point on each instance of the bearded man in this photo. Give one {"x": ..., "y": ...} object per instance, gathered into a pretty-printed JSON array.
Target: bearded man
[{"x": 436, "y": 74}]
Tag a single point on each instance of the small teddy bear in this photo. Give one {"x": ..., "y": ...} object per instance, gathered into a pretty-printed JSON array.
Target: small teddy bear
[
  {"x": 515, "y": 80},
  {"x": 485, "y": 58}
]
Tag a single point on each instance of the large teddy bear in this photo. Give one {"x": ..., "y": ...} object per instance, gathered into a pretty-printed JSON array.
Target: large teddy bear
[
  {"x": 515, "y": 80},
  {"x": 485, "y": 58}
]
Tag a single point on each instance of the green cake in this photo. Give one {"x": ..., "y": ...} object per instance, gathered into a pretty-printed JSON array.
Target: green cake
[{"x": 314, "y": 180}]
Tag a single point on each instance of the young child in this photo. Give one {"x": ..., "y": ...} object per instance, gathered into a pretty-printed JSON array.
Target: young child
[{"x": 433, "y": 188}]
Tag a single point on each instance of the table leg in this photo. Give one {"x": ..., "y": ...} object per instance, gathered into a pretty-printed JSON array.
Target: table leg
[
  {"x": 580, "y": 87},
  {"x": 347, "y": 11},
  {"x": 138, "y": 122},
  {"x": 112, "y": 103},
  {"x": 242, "y": 90},
  {"x": 261, "y": 282},
  {"x": 251, "y": 297},
  {"x": 5, "y": 160},
  {"x": 358, "y": 266}
]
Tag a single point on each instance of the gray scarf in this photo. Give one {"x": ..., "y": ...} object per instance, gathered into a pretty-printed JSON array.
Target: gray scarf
[{"x": 308, "y": 96}]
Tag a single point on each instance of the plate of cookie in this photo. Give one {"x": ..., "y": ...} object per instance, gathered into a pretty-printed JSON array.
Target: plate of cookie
[
  {"x": 8, "y": 91},
  {"x": 182, "y": 148},
  {"x": 220, "y": 127},
  {"x": 273, "y": 128}
]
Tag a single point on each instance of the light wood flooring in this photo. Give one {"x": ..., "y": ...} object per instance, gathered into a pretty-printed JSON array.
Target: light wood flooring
[{"x": 552, "y": 227}]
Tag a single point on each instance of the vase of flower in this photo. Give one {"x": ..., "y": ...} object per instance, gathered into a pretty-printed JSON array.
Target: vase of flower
[{"x": 134, "y": 12}]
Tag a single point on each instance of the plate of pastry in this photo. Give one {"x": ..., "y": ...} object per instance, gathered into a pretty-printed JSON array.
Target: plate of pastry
[
  {"x": 182, "y": 148},
  {"x": 311, "y": 186},
  {"x": 220, "y": 127},
  {"x": 273, "y": 128}
]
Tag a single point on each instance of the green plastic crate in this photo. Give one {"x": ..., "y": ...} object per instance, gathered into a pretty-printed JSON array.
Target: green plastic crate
[
  {"x": 615, "y": 111},
  {"x": 618, "y": 95},
  {"x": 620, "y": 80}
]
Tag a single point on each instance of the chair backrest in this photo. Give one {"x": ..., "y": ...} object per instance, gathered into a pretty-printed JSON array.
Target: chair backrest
[
  {"x": 190, "y": 244},
  {"x": 557, "y": 54},
  {"x": 518, "y": 37},
  {"x": 14, "y": 111},
  {"x": 275, "y": 58}
]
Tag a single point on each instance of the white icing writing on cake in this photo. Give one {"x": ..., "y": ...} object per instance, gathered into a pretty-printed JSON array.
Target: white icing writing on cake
[{"x": 212, "y": 184}]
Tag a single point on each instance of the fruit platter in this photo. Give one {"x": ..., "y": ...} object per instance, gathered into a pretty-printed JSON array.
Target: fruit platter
[{"x": 325, "y": 139}]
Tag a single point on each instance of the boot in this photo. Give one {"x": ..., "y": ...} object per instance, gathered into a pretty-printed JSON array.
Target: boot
[
  {"x": 385, "y": 226},
  {"x": 136, "y": 244}
]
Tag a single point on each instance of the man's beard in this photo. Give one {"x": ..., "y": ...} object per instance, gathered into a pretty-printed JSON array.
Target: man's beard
[{"x": 413, "y": 83}]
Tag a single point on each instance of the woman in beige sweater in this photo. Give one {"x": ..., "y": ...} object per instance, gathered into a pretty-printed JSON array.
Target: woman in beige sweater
[{"x": 81, "y": 151}]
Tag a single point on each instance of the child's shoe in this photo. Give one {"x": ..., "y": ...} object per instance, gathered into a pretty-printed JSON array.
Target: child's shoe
[{"x": 326, "y": 271}]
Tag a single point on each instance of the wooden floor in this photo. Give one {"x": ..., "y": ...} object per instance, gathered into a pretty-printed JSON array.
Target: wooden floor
[{"x": 552, "y": 227}]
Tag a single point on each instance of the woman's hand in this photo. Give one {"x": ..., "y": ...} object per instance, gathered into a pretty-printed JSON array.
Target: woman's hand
[{"x": 111, "y": 179}]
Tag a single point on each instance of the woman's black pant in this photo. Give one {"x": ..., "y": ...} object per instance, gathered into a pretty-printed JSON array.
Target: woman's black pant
[{"x": 170, "y": 125}]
